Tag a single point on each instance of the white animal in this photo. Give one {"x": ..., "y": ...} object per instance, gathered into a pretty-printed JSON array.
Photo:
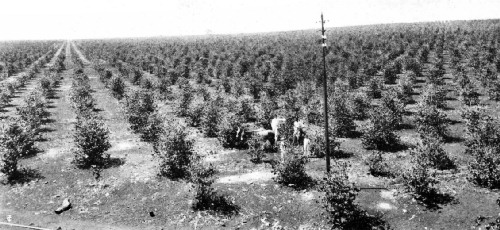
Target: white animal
[
  {"x": 282, "y": 150},
  {"x": 307, "y": 141},
  {"x": 275, "y": 124}
]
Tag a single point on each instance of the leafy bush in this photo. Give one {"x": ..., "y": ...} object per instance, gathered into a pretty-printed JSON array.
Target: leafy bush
[
  {"x": 139, "y": 105},
  {"x": 434, "y": 155},
  {"x": 10, "y": 88},
  {"x": 405, "y": 88},
  {"x": 379, "y": 133},
  {"x": 117, "y": 87},
  {"x": 494, "y": 90},
  {"x": 163, "y": 87},
  {"x": 291, "y": 171},
  {"x": 195, "y": 115},
  {"x": 359, "y": 106},
  {"x": 436, "y": 75},
  {"x": 341, "y": 120},
  {"x": 45, "y": 86},
  {"x": 247, "y": 110},
  {"x": 390, "y": 74},
  {"x": 393, "y": 106},
  {"x": 81, "y": 99},
  {"x": 473, "y": 116},
  {"x": 469, "y": 96},
  {"x": 339, "y": 202},
  {"x": 227, "y": 128},
  {"x": 433, "y": 95},
  {"x": 153, "y": 129},
  {"x": 91, "y": 138},
  {"x": 15, "y": 142},
  {"x": 213, "y": 116},
  {"x": 4, "y": 98},
  {"x": 317, "y": 145},
  {"x": 374, "y": 89},
  {"x": 146, "y": 83},
  {"x": 174, "y": 151},
  {"x": 33, "y": 112},
  {"x": 484, "y": 170},
  {"x": 206, "y": 197},
  {"x": 377, "y": 165},
  {"x": 136, "y": 76},
  {"x": 265, "y": 110},
  {"x": 431, "y": 122},
  {"x": 257, "y": 150},
  {"x": 413, "y": 65},
  {"x": 105, "y": 76},
  {"x": 420, "y": 180},
  {"x": 484, "y": 146},
  {"x": 187, "y": 96},
  {"x": 340, "y": 196}
]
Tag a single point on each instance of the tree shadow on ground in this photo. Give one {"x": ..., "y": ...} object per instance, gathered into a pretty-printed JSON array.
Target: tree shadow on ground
[
  {"x": 33, "y": 152},
  {"x": 97, "y": 110},
  {"x": 393, "y": 147},
  {"x": 452, "y": 139},
  {"x": 48, "y": 120},
  {"x": 113, "y": 162},
  {"x": 436, "y": 200},
  {"x": 447, "y": 108},
  {"x": 354, "y": 134},
  {"x": 405, "y": 126},
  {"x": 24, "y": 175},
  {"x": 364, "y": 220},
  {"x": 341, "y": 154},
  {"x": 46, "y": 130},
  {"x": 207, "y": 199}
]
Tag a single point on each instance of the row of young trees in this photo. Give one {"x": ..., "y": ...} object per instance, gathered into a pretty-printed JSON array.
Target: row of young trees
[
  {"x": 19, "y": 133},
  {"x": 9, "y": 86},
  {"x": 15, "y": 56},
  {"x": 91, "y": 136}
]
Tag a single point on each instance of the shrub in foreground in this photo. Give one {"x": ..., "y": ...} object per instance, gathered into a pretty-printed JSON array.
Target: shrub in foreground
[
  {"x": 291, "y": 171},
  {"x": 227, "y": 132},
  {"x": 484, "y": 170},
  {"x": 174, "y": 151},
  {"x": 15, "y": 143},
  {"x": 431, "y": 122},
  {"x": 91, "y": 138},
  {"x": 256, "y": 150},
  {"x": 339, "y": 202},
  {"x": 33, "y": 111},
  {"x": 378, "y": 166},
  {"x": 435, "y": 156},
  {"x": 420, "y": 180},
  {"x": 206, "y": 197},
  {"x": 380, "y": 132}
]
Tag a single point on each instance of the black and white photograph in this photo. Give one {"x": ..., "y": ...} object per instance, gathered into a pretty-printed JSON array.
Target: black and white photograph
[{"x": 251, "y": 115}]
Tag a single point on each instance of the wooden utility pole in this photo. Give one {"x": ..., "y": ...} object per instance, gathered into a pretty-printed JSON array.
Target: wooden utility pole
[{"x": 325, "y": 94}]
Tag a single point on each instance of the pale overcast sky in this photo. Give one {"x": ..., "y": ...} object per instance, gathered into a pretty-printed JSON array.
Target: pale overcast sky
[{"x": 73, "y": 19}]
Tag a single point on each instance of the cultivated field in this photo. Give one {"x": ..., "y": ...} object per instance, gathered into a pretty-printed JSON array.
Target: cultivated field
[{"x": 160, "y": 133}]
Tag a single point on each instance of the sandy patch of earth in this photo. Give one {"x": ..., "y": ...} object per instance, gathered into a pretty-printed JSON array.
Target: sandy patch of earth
[
  {"x": 385, "y": 206},
  {"x": 246, "y": 178},
  {"x": 123, "y": 145}
]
